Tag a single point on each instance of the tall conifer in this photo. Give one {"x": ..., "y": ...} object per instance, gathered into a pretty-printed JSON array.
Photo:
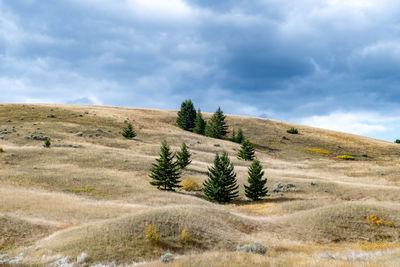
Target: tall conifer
[
  {"x": 186, "y": 116},
  {"x": 166, "y": 172},
  {"x": 216, "y": 126},
  {"x": 199, "y": 123},
  {"x": 183, "y": 157},
  {"x": 256, "y": 188},
  {"x": 221, "y": 185}
]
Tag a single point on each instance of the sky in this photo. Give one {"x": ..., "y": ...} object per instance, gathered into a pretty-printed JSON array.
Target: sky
[{"x": 326, "y": 63}]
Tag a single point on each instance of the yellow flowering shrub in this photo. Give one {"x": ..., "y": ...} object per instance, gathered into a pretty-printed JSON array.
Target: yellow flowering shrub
[
  {"x": 185, "y": 237},
  {"x": 374, "y": 220},
  {"x": 346, "y": 157},
  {"x": 319, "y": 151},
  {"x": 151, "y": 234},
  {"x": 190, "y": 184}
]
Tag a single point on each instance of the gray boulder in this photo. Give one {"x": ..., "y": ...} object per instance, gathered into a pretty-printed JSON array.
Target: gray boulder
[
  {"x": 167, "y": 258},
  {"x": 254, "y": 248},
  {"x": 280, "y": 187},
  {"x": 83, "y": 257}
]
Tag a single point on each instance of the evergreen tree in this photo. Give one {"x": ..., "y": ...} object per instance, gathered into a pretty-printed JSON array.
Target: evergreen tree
[
  {"x": 183, "y": 157},
  {"x": 199, "y": 123},
  {"x": 233, "y": 139},
  {"x": 128, "y": 132},
  {"x": 216, "y": 126},
  {"x": 240, "y": 136},
  {"x": 186, "y": 116},
  {"x": 166, "y": 172},
  {"x": 221, "y": 184},
  {"x": 246, "y": 152},
  {"x": 256, "y": 188}
]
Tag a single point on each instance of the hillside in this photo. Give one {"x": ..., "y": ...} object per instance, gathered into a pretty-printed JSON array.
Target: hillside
[{"x": 90, "y": 192}]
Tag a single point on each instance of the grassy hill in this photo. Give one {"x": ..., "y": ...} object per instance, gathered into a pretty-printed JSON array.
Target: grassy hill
[{"x": 90, "y": 192}]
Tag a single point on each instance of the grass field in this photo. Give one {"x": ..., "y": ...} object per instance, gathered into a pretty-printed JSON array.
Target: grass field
[{"x": 90, "y": 192}]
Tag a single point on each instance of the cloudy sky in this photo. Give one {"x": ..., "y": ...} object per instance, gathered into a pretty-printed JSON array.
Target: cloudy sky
[{"x": 326, "y": 63}]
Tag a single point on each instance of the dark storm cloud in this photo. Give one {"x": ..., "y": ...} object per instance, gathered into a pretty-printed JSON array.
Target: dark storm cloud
[{"x": 304, "y": 61}]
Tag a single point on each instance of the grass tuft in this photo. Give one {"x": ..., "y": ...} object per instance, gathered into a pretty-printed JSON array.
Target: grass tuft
[
  {"x": 190, "y": 184},
  {"x": 319, "y": 151}
]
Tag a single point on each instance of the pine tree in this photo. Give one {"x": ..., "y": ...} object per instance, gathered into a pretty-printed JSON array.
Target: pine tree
[
  {"x": 233, "y": 138},
  {"x": 183, "y": 157},
  {"x": 128, "y": 132},
  {"x": 166, "y": 172},
  {"x": 256, "y": 188},
  {"x": 216, "y": 126},
  {"x": 246, "y": 152},
  {"x": 221, "y": 184},
  {"x": 240, "y": 136},
  {"x": 186, "y": 116},
  {"x": 199, "y": 123}
]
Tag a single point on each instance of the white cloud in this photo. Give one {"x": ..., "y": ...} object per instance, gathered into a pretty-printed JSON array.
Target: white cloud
[
  {"x": 150, "y": 10},
  {"x": 168, "y": 8},
  {"x": 361, "y": 123},
  {"x": 381, "y": 48}
]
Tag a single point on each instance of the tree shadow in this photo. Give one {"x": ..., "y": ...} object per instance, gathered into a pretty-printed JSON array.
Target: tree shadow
[
  {"x": 243, "y": 202},
  {"x": 279, "y": 199}
]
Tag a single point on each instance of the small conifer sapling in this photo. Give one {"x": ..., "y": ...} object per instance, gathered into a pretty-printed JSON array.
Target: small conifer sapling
[
  {"x": 47, "y": 143},
  {"x": 246, "y": 151},
  {"x": 128, "y": 132},
  {"x": 183, "y": 157}
]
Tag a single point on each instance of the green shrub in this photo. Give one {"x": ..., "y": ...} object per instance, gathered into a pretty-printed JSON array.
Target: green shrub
[
  {"x": 292, "y": 131},
  {"x": 47, "y": 143},
  {"x": 346, "y": 157},
  {"x": 1, "y": 150},
  {"x": 397, "y": 141}
]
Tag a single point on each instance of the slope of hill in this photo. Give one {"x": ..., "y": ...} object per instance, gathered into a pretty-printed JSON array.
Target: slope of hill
[{"x": 90, "y": 192}]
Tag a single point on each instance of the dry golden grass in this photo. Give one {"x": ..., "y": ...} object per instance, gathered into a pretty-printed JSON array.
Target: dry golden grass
[
  {"x": 15, "y": 232},
  {"x": 125, "y": 238},
  {"x": 91, "y": 193}
]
